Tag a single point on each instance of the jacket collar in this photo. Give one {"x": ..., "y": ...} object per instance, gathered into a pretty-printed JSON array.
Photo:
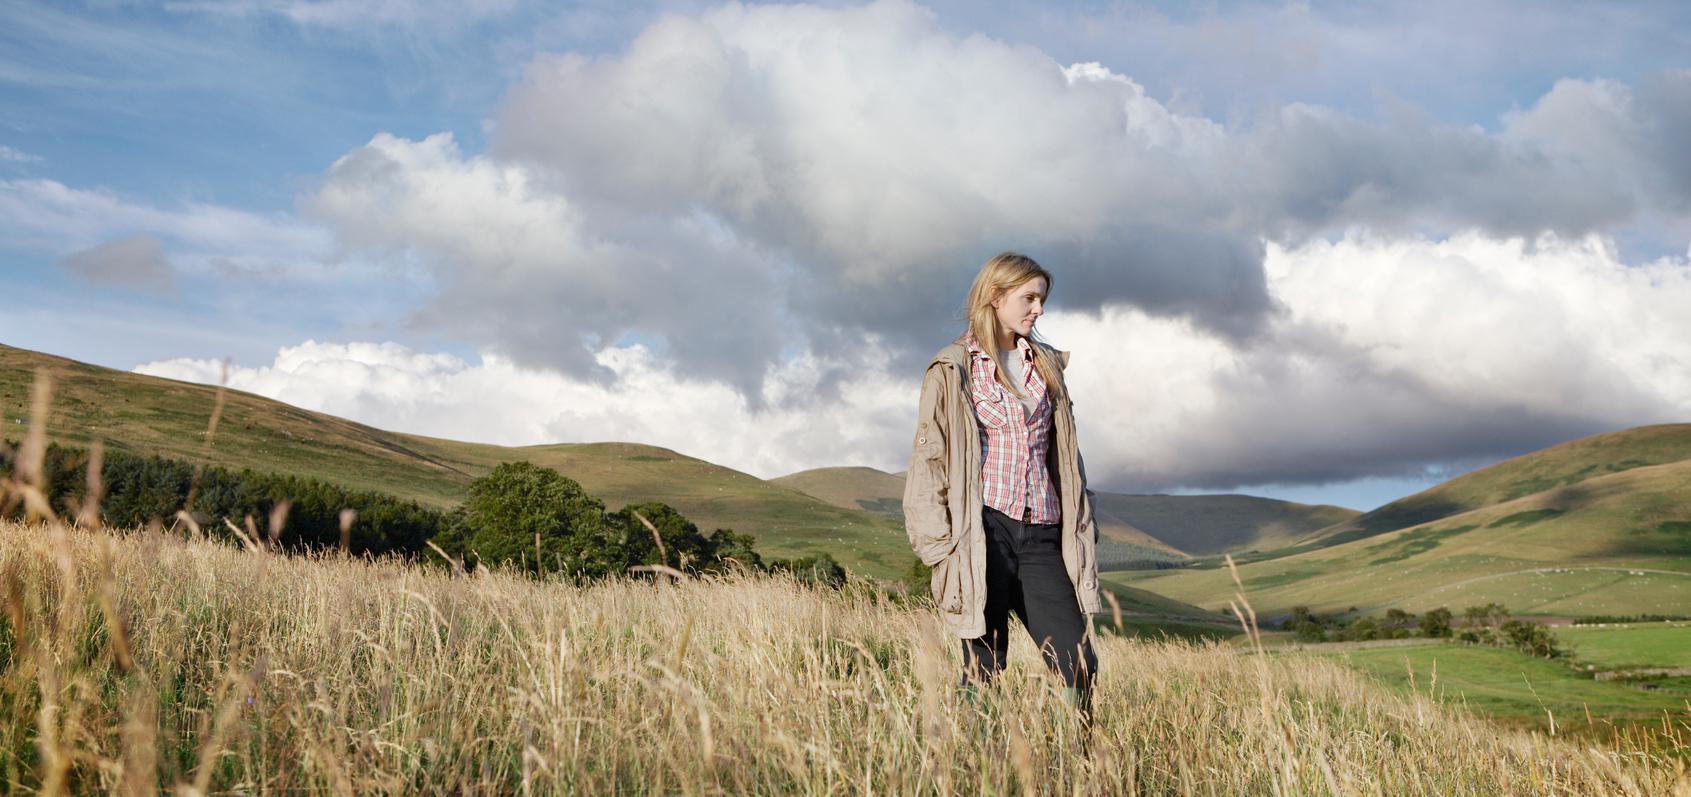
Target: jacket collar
[{"x": 956, "y": 354}]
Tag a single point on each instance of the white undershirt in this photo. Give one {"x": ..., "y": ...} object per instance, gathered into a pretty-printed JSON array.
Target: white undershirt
[{"x": 1016, "y": 369}]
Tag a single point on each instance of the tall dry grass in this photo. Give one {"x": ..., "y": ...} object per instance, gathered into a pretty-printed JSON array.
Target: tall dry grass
[{"x": 136, "y": 661}]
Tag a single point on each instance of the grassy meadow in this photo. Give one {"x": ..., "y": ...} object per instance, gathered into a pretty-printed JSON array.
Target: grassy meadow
[
  {"x": 1630, "y": 646},
  {"x": 1532, "y": 692},
  {"x": 137, "y": 661}
]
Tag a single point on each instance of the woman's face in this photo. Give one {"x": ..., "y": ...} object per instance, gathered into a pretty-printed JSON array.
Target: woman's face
[{"x": 1019, "y": 307}]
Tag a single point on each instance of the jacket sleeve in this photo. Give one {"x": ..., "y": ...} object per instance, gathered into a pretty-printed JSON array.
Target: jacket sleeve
[
  {"x": 1088, "y": 511},
  {"x": 1088, "y": 514},
  {"x": 927, "y": 485}
]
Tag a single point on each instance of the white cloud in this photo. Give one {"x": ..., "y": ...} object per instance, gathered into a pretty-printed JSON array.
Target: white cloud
[
  {"x": 1391, "y": 355},
  {"x": 497, "y": 401},
  {"x": 534, "y": 275}
]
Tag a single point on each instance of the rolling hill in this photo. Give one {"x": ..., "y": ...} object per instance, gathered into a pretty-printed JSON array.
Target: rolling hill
[
  {"x": 150, "y": 415},
  {"x": 1600, "y": 525},
  {"x": 862, "y": 488},
  {"x": 1558, "y": 466}
]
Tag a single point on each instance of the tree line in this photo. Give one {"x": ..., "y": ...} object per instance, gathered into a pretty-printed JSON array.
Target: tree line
[
  {"x": 143, "y": 489},
  {"x": 521, "y": 516},
  {"x": 1489, "y": 624}
]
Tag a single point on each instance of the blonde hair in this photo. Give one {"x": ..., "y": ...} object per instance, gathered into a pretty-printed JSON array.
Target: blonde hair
[{"x": 1000, "y": 274}]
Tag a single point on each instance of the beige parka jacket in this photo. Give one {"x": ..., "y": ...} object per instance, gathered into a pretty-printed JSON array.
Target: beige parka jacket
[{"x": 942, "y": 496}]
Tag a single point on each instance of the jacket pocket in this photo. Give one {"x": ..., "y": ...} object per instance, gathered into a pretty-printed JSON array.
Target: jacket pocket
[{"x": 947, "y": 586}]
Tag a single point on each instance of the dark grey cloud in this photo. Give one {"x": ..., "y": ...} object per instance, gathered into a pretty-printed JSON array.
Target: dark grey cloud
[{"x": 136, "y": 261}]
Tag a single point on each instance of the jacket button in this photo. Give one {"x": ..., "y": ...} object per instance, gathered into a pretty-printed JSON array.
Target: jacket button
[{"x": 921, "y": 440}]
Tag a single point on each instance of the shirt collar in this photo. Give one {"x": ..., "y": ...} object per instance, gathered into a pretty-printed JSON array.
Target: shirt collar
[{"x": 975, "y": 349}]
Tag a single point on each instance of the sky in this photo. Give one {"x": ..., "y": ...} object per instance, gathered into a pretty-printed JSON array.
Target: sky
[{"x": 1326, "y": 252}]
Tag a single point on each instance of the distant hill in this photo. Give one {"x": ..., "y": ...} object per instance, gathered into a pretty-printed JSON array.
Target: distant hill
[
  {"x": 150, "y": 415},
  {"x": 851, "y": 488},
  {"x": 1558, "y": 466},
  {"x": 1203, "y": 525},
  {"x": 1601, "y": 525}
]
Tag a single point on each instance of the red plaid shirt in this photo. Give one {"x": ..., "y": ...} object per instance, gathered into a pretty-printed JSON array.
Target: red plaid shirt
[{"x": 1014, "y": 441}]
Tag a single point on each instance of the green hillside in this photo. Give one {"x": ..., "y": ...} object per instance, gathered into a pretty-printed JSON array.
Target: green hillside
[
  {"x": 150, "y": 415},
  {"x": 1616, "y": 543},
  {"x": 1558, "y": 466},
  {"x": 851, "y": 487}
]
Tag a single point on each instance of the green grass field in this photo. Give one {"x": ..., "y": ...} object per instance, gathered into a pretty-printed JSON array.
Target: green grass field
[
  {"x": 1521, "y": 689},
  {"x": 1630, "y": 646}
]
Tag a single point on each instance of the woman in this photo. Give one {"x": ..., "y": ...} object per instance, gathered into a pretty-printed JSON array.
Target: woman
[{"x": 995, "y": 500}]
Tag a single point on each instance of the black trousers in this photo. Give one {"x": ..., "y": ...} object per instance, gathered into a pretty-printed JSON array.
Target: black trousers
[{"x": 1025, "y": 575}]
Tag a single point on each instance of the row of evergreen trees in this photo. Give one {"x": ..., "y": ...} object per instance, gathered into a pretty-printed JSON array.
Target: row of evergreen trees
[
  {"x": 141, "y": 489},
  {"x": 519, "y": 516}
]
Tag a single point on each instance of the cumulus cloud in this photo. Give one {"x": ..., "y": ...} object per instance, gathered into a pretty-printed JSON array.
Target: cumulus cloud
[
  {"x": 881, "y": 153},
  {"x": 537, "y": 277},
  {"x": 811, "y": 175},
  {"x": 497, "y": 401},
  {"x": 1392, "y": 355},
  {"x": 136, "y": 261}
]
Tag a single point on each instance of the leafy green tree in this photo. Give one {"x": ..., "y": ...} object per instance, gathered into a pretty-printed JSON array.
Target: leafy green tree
[
  {"x": 1533, "y": 639},
  {"x": 1309, "y": 631},
  {"x": 818, "y": 570},
  {"x": 728, "y": 547},
  {"x": 684, "y": 548},
  {"x": 523, "y": 514},
  {"x": 1488, "y": 616},
  {"x": 1436, "y": 623},
  {"x": 1362, "y": 628}
]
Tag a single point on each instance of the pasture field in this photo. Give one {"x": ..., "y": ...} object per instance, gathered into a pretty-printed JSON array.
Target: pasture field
[
  {"x": 1630, "y": 646},
  {"x": 138, "y": 661},
  {"x": 1513, "y": 686}
]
